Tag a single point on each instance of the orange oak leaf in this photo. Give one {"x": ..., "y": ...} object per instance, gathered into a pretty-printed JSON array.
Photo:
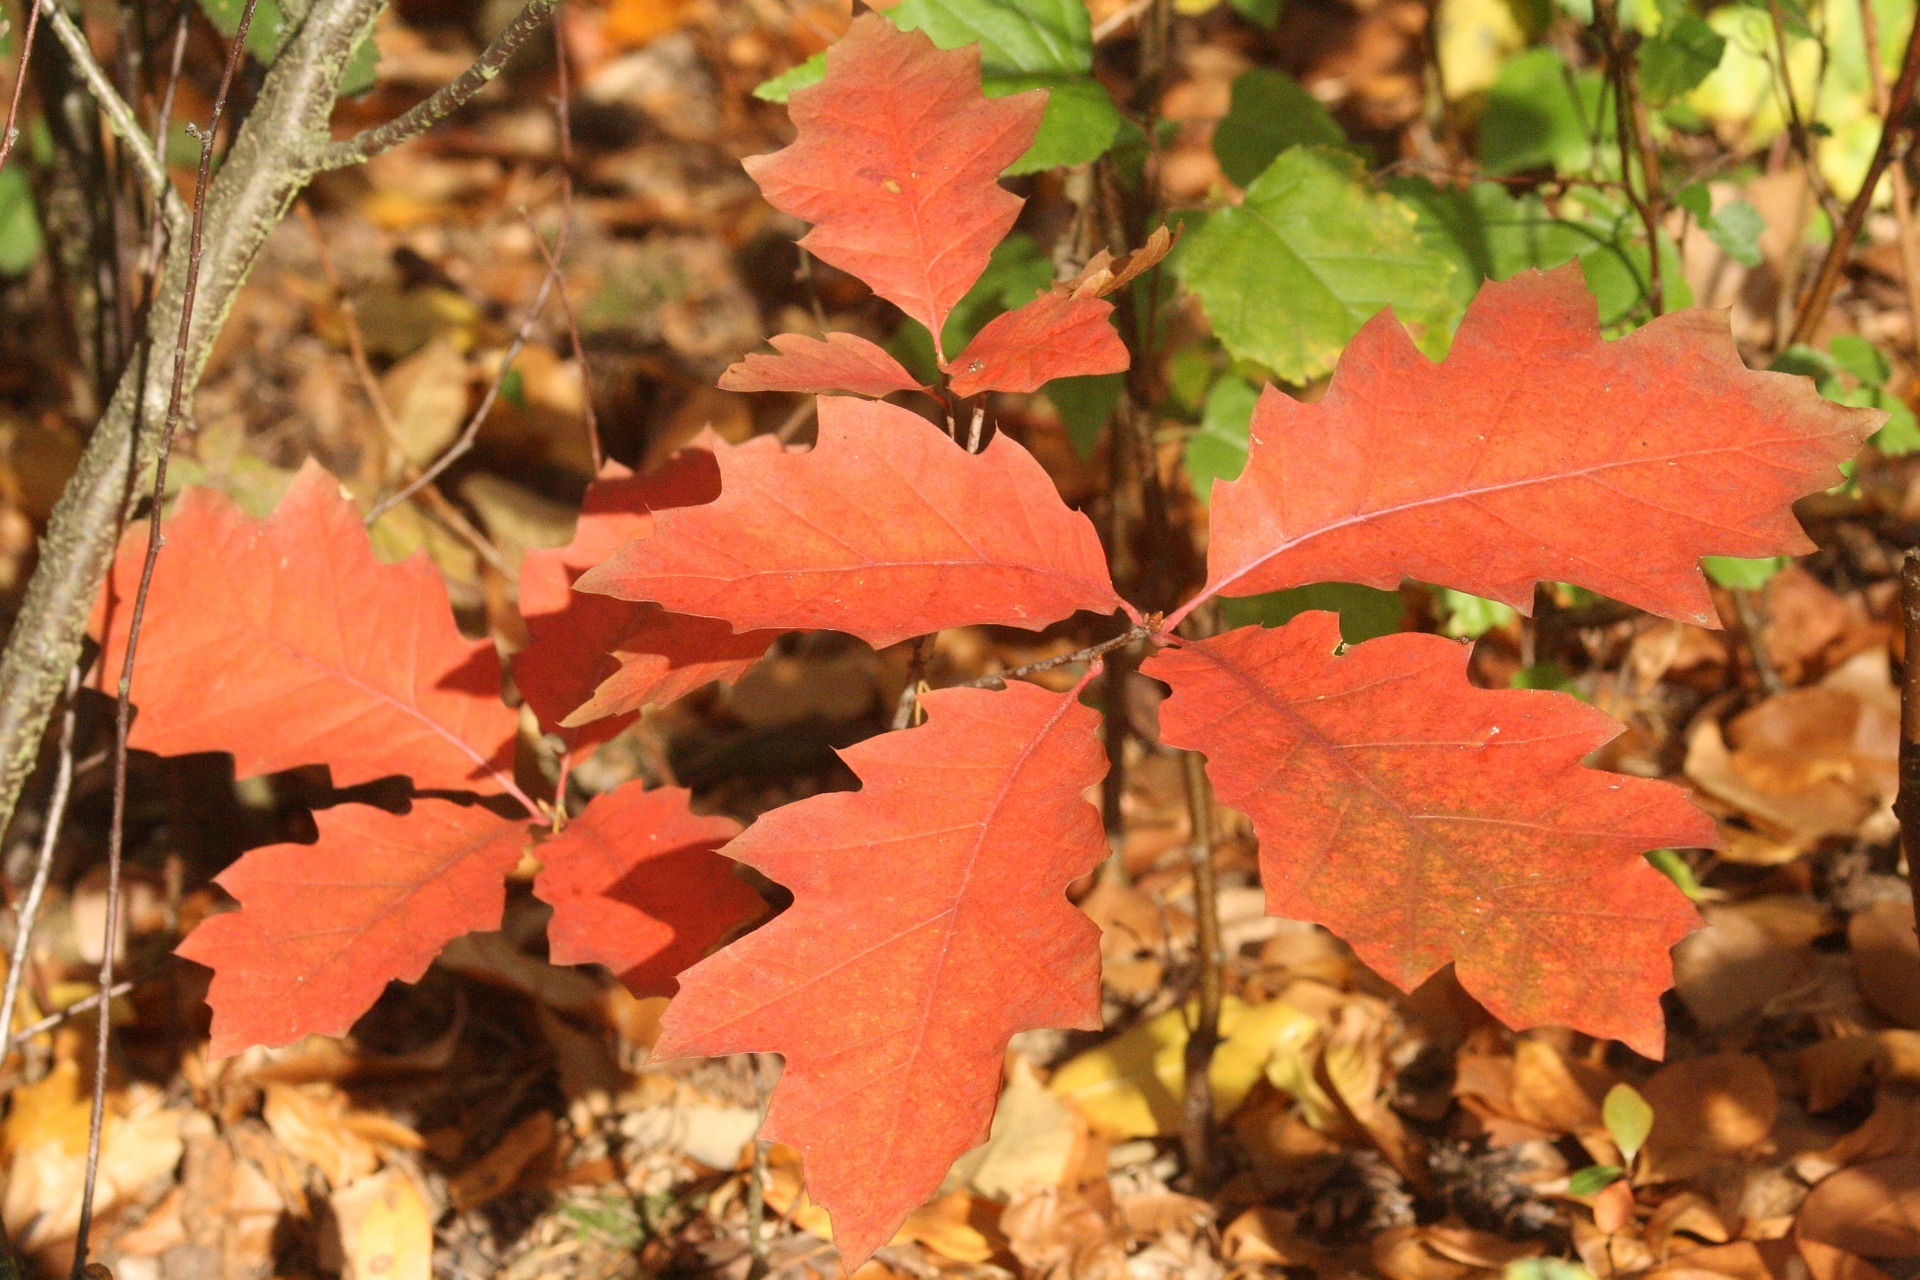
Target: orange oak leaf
[
  {"x": 929, "y": 924},
  {"x": 1534, "y": 451},
  {"x": 896, "y": 162},
  {"x": 1054, "y": 336},
  {"x": 1425, "y": 820},
  {"x": 885, "y": 529},
  {"x": 285, "y": 642},
  {"x": 322, "y": 928},
  {"x": 838, "y": 362},
  {"x": 635, "y": 885},
  {"x": 594, "y": 661}
]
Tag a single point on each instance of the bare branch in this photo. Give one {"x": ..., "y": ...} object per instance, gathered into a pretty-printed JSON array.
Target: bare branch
[
  {"x": 368, "y": 143},
  {"x": 125, "y": 125}
]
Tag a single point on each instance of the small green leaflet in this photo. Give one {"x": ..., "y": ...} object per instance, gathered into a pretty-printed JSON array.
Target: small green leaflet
[
  {"x": 1852, "y": 372},
  {"x": 1468, "y": 617},
  {"x": 1670, "y": 864},
  {"x": 1679, "y": 58},
  {"x": 1595, "y": 1179},
  {"x": 1269, "y": 113},
  {"x": 1024, "y": 44},
  {"x": 20, "y": 238},
  {"x": 1628, "y": 1118},
  {"x": 1745, "y": 575},
  {"x": 1288, "y": 276}
]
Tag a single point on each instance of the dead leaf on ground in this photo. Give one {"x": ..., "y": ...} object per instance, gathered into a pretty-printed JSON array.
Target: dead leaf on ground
[
  {"x": 386, "y": 1229},
  {"x": 1706, "y": 1110},
  {"x": 1886, "y": 956}
]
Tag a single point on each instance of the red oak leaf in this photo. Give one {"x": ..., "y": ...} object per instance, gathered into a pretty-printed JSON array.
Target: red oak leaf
[
  {"x": 285, "y": 642},
  {"x": 885, "y": 529},
  {"x": 929, "y": 924},
  {"x": 322, "y": 928},
  {"x": 896, "y": 160},
  {"x": 594, "y": 656},
  {"x": 1424, "y": 820},
  {"x": 839, "y": 362},
  {"x": 635, "y": 885},
  {"x": 1055, "y": 336},
  {"x": 1526, "y": 454}
]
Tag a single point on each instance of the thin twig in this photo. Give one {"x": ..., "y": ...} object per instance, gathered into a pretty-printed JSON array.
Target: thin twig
[
  {"x": 75, "y": 1009},
  {"x": 1630, "y": 124},
  {"x": 1907, "y": 804},
  {"x": 905, "y": 709},
  {"x": 123, "y": 707},
  {"x": 1894, "y": 127},
  {"x": 446, "y": 100},
  {"x": 120, "y": 116},
  {"x": 12, "y": 133},
  {"x": 29, "y": 911},
  {"x": 464, "y": 443},
  {"x": 1139, "y": 631},
  {"x": 1896, "y": 173},
  {"x": 1209, "y": 957},
  {"x": 563, "y": 117},
  {"x": 163, "y": 120}
]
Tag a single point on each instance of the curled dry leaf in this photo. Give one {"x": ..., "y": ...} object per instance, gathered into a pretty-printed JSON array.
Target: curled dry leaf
[{"x": 816, "y": 366}]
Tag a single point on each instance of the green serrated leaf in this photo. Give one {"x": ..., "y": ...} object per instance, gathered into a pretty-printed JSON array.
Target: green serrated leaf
[
  {"x": 1679, "y": 58},
  {"x": 1366, "y": 613},
  {"x": 1269, "y": 112},
  {"x": 1593, "y": 1180},
  {"x": 1856, "y": 356},
  {"x": 1288, "y": 276},
  {"x": 1487, "y": 232},
  {"x": 1735, "y": 572},
  {"x": 1541, "y": 113},
  {"x": 1029, "y": 44},
  {"x": 1628, "y": 1117},
  {"x": 1218, "y": 449}
]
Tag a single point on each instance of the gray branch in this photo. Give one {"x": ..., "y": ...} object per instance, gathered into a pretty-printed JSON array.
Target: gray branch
[
  {"x": 363, "y": 146},
  {"x": 271, "y": 160}
]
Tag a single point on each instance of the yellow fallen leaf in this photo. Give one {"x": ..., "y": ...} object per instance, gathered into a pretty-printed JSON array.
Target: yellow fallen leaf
[
  {"x": 386, "y": 1230},
  {"x": 1132, "y": 1085}
]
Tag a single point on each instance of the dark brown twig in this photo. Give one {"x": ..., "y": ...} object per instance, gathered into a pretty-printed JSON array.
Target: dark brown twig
[
  {"x": 123, "y": 706},
  {"x": 1893, "y": 130},
  {"x": 12, "y": 134},
  {"x": 29, "y": 910},
  {"x": 1907, "y": 804},
  {"x": 1203, "y": 1037},
  {"x": 1138, "y": 632},
  {"x": 1636, "y": 144}
]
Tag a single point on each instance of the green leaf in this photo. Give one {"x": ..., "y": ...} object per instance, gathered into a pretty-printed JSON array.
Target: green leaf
[
  {"x": 1679, "y": 58},
  {"x": 1544, "y": 675},
  {"x": 1595, "y": 1179},
  {"x": 1366, "y": 613},
  {"x": 1540, "y": 113},
  {"x": 1288, "y": 276},
  {"x": 1269, "y": 112},
  {"x": 20, "y": 239},
  {"x": 1616, "y": 273},
  {"x": 1628, "y": 1117},
  {"x": 1468, "y": 617},
  {"x": 1262, "y": 13},
  {"x": 1218, "y": 450},
  {"x": 1856, "y": 356},
  {"x": 1029, "y": 44},
  {"x": 1080, "y": 124},
  {"x": 1487, "y": 232},
  {"x": 1697, "y": 200},
  {"x": 1736, "y": 228},
  {"x": 782, "y": 86},
  {"x": 1736, "y": 572},
  {"x": 1085, "y": 404}
]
